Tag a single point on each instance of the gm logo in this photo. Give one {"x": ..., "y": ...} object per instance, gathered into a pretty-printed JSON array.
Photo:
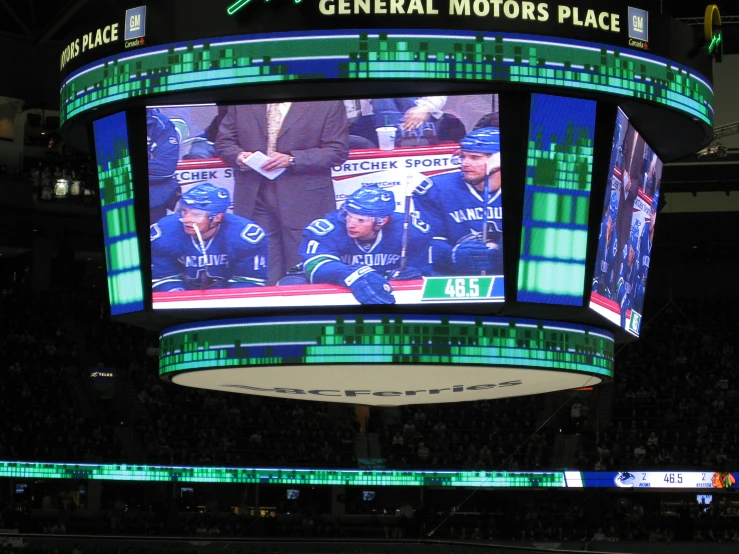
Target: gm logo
[
  {"x": 638, "y": 24},
  {"x": 135, "y": 23}
]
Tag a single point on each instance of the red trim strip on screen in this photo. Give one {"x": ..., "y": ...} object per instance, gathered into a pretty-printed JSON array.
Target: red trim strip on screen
[
  {"x": 264, "y": 292},
  {"x": 596, "y": 298}
]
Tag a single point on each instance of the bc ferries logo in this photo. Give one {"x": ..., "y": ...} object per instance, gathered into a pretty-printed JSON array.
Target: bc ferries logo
[{"x": 624, "y": 480}]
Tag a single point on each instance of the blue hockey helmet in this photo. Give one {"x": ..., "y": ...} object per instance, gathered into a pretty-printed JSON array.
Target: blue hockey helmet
[
  {"x": 370, "y": 201},
  {"x": 206, "y": 197},
  {"x": 485, "y": 140}
]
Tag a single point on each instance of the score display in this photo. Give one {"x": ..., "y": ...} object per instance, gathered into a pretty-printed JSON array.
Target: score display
[
  {"x": 326, "y": 203},
  {"x": 659, "y": 479},
  {"x": 627, "y": 228}
]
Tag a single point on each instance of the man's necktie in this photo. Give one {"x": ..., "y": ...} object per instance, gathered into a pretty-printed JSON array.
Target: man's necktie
[{"x": 274, "y": 122}]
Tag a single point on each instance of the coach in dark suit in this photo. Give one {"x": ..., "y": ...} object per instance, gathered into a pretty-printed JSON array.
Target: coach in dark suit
[{"x": 307, "y": 139}]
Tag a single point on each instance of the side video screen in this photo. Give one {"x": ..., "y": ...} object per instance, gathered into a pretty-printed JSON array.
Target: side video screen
[
  {"x": 327, "y": 203},
  {"x": 125, "y": 281},
  {"x": 627, "y": 228}
]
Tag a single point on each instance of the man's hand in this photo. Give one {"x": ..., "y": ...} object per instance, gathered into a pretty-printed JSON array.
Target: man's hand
[
  {"x": 407, "y": 274},
  {"x": 241, "y": 159},
  {"x": 370, "y": 287},
  {"x": 415, "y": 118},
  {"x": 276, "y": 160},
  {"x": 473, "y": 257}
]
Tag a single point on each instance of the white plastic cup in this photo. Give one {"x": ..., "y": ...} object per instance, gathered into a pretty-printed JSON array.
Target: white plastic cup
[{"x": 386, "y": 137}]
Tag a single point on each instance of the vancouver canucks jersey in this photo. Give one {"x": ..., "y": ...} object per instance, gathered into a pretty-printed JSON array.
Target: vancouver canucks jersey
[
  {"x": 627, "y": 281},
  {"x": 163, "y": 144},
  {"x": 645, "y": 254},
  {"x": 236, "y": 256},
  {"x": 330, "y": 255},
  {"x": 645, "y": 258},
  {"x": 606, "y": 261},
  {"x": 456, "y": 212}
]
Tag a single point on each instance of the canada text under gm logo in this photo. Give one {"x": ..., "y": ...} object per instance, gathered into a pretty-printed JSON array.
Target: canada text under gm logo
[
  {"x": 638, "y": 26},
  {"x": 135, "y": 23},
  {"x": 353, "y": 393}
]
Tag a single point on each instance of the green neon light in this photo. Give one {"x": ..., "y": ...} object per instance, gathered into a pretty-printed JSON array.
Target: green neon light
[
  {"x": 406, "y": 339},
  {"x": 236, "y": 6},
  {"x": 715, "y": 42},
  {"x": 305, "y": 477},
  {"x": 377, "y": 54}
]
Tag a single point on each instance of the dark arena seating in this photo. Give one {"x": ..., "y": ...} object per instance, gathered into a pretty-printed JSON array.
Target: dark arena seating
[{"x": 673, "y": 406}]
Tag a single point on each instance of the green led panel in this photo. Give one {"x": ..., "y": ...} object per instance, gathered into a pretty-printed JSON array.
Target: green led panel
[
  {"x": 387, "y": 54},
  {"x": 388, "y": 339},
  {"x": 115, "y": 178},
  {"x": 378, "y": 478},
  {"x": 554, "y": 230}
]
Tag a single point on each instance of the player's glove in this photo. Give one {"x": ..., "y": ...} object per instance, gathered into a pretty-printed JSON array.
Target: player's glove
[
  {"x": 403, "y": 274},
  {"x": 473, "y": 256},
  {"x": 369, "y": 287}
]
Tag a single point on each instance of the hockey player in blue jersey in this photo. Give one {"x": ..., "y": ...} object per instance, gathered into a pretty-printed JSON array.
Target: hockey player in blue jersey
[
  {"x": 163, "y": 145},
  {"x": 607, "y": 245},
  {"x": 362, "y": 245},
  {"x": 626, "y": 287},
  {"x": 466, "y": 219},
  {"x": 201, "y": 246},
  {"x": 645, "y": 255}
]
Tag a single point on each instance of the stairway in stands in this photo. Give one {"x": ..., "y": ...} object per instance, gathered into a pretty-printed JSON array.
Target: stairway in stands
[
  {"x": 604, "y": 396},
  {"x": 368, "y": 451}
]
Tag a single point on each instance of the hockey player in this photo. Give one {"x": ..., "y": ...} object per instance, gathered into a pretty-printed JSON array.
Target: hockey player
[
  {"x": 360, "y": 246},
  {"x": 457, "y": 208},
  {"x": 163, "y": 145},
  {"x": 200, "y": 246},
  {"x": 645, "y": 255},
  {"x": 625, "y": 289},
  {"x": 607, "y": 245}
]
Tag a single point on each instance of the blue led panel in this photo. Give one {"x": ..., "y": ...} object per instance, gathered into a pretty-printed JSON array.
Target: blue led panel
[
  {"x": 125, "y": 284},
  {"x": 554, "y": 233}
]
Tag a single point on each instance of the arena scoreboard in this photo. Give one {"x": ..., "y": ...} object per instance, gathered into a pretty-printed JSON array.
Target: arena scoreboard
[
  {"x": 372, "y": 258},
  {"x": 688, "y": 480}
]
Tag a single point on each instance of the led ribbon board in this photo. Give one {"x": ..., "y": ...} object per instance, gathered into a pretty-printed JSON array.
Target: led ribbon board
[
  {"x": 688, "y": 480},
  {"x": 386, "y": 360},
  {"x": 387, "y": 54},
  {"x": 125, "y": 282},
  {"x": 554, "y": 233}
]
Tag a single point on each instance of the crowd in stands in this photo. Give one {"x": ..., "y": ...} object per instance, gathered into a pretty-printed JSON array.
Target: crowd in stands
[
  {"x": 182, "y": 425},
  {"x": 674, "y": 406},
  {"x": 580, "y": 516},
  {"x": 477, "y": 435},
  {"x": 675, "y": 403},
  {"x": 42, "y": 416}
]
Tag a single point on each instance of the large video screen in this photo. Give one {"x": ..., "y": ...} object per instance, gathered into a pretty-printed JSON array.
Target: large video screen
[
  {"x": 627, "y": 228},
  {"x": 327, "y": 203}
]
